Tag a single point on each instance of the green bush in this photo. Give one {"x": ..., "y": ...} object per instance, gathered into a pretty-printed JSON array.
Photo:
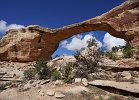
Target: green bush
[
  {"x": 67, "y": 72},
  {"x": 56, "y": 75},
  {"x": 8, "y": 83},
  {"x": 113, "y": 97},
  {"x": 29, "y": 74},
  {"x": 115, "y": 49},
  {"x": 2, "y": 87},
  {"x": 112, "y": 56},
  {"x": 42, "y": 69},
  {"x": 92, "y": 42},
  {"x": 128, "y": 51}
]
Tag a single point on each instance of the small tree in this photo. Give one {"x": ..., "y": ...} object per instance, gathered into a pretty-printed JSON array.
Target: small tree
[
  {"x": 92, "y": 42},
  {"x": 112, "y": 56},
  {"x": 67, "y": 72},
  {"x": 42, "y": 69},
  {"x": 86, "y": 64},
  {"x": 128, "y": 50},
  {"x": 114, "y": 49},
  {"x": 56, "y": 75},
  {"x": 29, "y": 74}
]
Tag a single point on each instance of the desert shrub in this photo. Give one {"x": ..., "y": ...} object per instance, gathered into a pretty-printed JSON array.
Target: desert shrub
[
  {"x": 8, "y": 83},
  {"x": 112, "y": 56},
  {"x": 92, "y": 42},
  {"x": 115, "y": 49},
  {"x": 100, "y": 98},
  {"x": 81, "y": 70},
  {"x": 29, "y": 74},
  {"x": 118, "y": 77},
  {"x": 67, "y": 72},
  {"x": 85, "y": 65},
  {"x": 56, "y": 75},
  {"x": 113, "y": 97},
  {"x": 2, "y": 87},
  {"x": 128, "y": 51},
  {"x": 42, "y": 69}
]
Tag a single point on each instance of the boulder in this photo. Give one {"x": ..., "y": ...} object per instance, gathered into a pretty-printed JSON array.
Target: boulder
[
  {"x": 84, "y": 82},
  {"x": 108, "y": 63},
  {"x": 78, "y": 80},
  {"x": 126, "y": 75},
  {"x": 58, "y": 82},
  {"x": 61, "y": 61},
  {"x": 59, "y": 95},
  {"x": 41, "y": 93},
  {"x": 44, "y": 82},
  {"x": 126, "y": 86},
  {"x": 32, "y": 42},
  {"x": 50, "y": 92},
  {"x": 77, "y": 89},
  {"x": 27, "y": 87}
]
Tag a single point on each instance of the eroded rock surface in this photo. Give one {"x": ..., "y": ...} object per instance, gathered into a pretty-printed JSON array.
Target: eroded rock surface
[
  {"x": 126, "y": 86},
  {"x": 33, "y": 42}
]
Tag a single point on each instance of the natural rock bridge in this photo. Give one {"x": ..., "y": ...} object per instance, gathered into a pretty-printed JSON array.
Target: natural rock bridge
[{"x": 32, "y": 42}]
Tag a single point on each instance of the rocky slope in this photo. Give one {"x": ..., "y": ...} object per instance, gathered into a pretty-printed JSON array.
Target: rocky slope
[
  {"x": 111, "y": 80},
  {"x": 32, "y": 42}
]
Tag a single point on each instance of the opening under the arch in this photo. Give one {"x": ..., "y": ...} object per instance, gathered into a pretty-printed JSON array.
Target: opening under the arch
[{"x": 104, "y": 40}]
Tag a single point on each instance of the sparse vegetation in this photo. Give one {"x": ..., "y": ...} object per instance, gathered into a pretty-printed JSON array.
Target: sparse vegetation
[
  {"x": 56, "y": 75},
  {"x": 29, "y": 74},
  {"x": 3, "y": 85},
  {"x": 42, "y": 69},
  {"x": 113, "y": 97},
  {"x": 115, "y": 49},
  {"x": 128, "y": 50},
  {"x": 92, "y": 42},
  {"x": 85, "y": 65},
  {"x": 67, "y": 72},
  {"x": 9, "y": 83},
  {"x": 112, "y": 54}
]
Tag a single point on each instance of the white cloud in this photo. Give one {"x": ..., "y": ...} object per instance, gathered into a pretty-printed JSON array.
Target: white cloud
[
  {"x": 4, "y": 27},
  {"x": 63, "y": 43},
  {"x": 110, "y": 41},
  {"x": 78, "y": 42},
  {"x": 78, "y": 36}
]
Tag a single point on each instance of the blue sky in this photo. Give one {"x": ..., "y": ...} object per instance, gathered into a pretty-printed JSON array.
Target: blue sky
[{"x": 54, "y": 14}]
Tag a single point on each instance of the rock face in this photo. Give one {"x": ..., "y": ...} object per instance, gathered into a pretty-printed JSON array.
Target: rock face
[
  {"x": 32, "y": 42},
  {"x": 126, "y": 86},
  {"x": 61, "y": 61}
]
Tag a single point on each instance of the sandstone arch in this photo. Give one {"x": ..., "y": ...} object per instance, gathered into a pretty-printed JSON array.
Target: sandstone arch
[{"x": 32, "y": 42}]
